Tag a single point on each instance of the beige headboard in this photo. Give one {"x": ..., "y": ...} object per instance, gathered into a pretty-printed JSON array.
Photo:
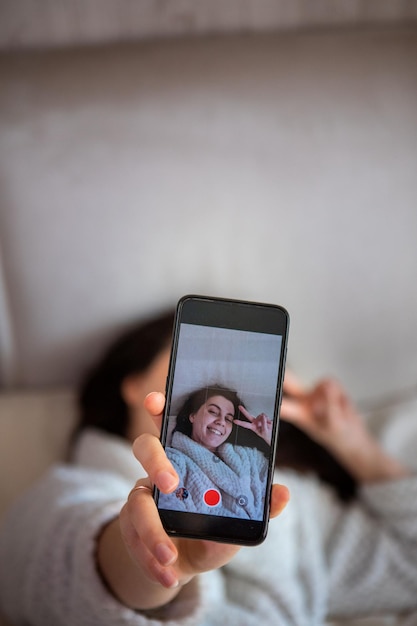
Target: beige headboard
[{"x": 278, "y": 166}]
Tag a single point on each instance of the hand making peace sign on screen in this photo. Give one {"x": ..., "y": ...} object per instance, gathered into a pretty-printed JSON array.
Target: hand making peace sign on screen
[{"x": 261, "y": 424}]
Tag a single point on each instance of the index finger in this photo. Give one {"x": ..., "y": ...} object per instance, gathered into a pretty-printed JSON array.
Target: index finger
[
  {"x": 246, "y": 413},
  {"x": 293, "y": 411},
  {"x": 292, "y": 386}
]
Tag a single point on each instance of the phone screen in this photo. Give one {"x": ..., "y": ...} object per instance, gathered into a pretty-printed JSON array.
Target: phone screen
[{"x": 221, "y": 420}]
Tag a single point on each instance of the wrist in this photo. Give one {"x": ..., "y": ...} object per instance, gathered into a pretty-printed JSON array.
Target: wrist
[{"x": 124, "y": 578}]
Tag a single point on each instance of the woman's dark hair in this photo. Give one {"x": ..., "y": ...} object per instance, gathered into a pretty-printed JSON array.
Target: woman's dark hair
[
  {"x": 100, "y": 398},
  {"x": 297, "y": 451},
  {"x": 197, "y": 398}
]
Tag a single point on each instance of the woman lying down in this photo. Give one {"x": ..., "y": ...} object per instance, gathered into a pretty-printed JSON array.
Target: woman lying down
[{"x": 85, "y": 546}]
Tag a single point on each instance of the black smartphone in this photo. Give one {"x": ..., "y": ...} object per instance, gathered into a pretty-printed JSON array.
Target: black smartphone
[{"x": 220, "y": 424}]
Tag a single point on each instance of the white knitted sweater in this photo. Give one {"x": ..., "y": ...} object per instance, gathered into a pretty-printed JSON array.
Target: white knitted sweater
[
  {"x": 239, "y": 473},
  {"x": 320, "y": 559}
]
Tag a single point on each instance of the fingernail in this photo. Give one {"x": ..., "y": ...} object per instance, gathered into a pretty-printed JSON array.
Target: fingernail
[
  {"x": 166, "y": 482},
  {"x": 168, "y": 579},
  {"x": 165, "y": 554}
]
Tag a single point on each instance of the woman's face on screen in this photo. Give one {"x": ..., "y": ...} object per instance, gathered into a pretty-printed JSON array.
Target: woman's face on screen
[{"x": 213, "y": 422}]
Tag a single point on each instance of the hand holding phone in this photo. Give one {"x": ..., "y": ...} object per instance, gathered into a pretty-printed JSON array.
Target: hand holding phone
[
  {"x": 221, "y": 418},
  {"x": 154, "y": 556}
]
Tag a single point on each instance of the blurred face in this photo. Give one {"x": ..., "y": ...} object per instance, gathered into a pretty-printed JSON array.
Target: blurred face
[
  {"x": 137, "y": 387},
  {"x": 213, "y": 422}
]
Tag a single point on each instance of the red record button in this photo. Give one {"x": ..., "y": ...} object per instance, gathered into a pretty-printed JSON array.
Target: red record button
[{"x": 212, "y": 497}]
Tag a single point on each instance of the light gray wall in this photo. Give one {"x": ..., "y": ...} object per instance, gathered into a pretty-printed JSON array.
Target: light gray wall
[{"x": 271, "y": 167}]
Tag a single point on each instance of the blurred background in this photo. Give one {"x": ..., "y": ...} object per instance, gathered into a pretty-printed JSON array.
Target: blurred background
[{"x": 259, "y": 150}]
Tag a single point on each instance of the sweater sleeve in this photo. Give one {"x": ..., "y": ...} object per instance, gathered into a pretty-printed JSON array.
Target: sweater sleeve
[
  {"x": 48, "y": 575},
  {"x": 372, "y": 551}
]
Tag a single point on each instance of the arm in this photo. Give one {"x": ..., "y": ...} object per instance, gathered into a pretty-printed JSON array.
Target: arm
[
  {"x": 327, "y": 415},
  {"x": 371, "y": 550},
  {"x": 370, "y": 544},
  {"x": 52, "y": 541},
  {"x": 48, "y": 568}
]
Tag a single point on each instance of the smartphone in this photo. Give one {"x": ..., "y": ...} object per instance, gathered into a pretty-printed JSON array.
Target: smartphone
[{"x": 220, "y": 423}]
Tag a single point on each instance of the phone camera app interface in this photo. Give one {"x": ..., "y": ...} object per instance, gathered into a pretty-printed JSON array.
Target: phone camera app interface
[{"x": 221, "y": 420}]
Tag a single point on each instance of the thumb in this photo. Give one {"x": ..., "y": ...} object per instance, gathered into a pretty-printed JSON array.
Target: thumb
[{"x": 280, "y": 497}]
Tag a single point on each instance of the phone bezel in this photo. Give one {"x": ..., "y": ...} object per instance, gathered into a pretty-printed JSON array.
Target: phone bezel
[{"x": 239, "y": 315}]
